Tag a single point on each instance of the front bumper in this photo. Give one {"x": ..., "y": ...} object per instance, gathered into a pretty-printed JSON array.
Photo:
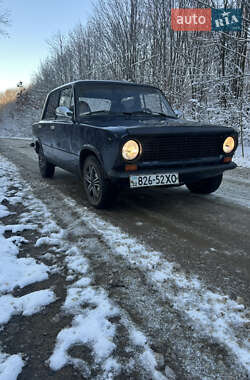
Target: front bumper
[{"x": 186, "y": 174}]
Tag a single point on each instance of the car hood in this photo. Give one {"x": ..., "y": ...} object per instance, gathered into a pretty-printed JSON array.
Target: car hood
[{"x": 155, "y": 125}]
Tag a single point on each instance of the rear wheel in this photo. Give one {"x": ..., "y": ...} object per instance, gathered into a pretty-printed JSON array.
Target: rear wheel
[
  {"x": 98, "y": 188},
  {"x": 47, "y": 169},
  {"x": 205, "y": 186}
]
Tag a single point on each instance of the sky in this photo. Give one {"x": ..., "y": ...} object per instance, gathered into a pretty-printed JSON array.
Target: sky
[{"x": 33, "y": 22}]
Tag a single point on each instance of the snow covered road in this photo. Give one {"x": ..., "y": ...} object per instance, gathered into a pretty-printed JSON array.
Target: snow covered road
[{"x": 157, "y": 288}]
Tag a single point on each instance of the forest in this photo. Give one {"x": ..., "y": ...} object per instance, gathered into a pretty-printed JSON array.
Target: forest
[{"x": 205, "y": 75}]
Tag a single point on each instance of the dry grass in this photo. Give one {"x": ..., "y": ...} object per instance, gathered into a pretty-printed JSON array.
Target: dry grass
[{"x": 8, "y": 96}]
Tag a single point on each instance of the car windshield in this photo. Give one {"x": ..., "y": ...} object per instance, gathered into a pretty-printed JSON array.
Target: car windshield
[{"x": 111, "y": 98}]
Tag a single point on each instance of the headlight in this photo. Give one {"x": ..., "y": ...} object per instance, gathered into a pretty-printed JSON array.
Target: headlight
[
  {"x": 229, "y": 144},
  {"x": 130, "y": 150}
]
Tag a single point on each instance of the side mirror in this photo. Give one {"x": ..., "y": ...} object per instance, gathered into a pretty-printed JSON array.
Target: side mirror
[
  {"x": 178, "y": 113},
  {"x": 64, "y": 112}
]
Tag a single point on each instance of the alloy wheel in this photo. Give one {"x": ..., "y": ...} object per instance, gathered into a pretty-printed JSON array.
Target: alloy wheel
[{"x": 93, "y": 182}]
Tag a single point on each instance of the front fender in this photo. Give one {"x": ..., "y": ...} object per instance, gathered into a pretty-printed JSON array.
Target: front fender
[{"x": 88, "y": 148}]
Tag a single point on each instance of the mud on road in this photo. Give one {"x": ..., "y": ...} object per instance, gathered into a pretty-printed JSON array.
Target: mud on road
[{"x": 156, "y": 253}]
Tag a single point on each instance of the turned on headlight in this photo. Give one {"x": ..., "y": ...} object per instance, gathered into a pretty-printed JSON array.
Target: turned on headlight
[
  {"x": 229, "y": 144},
  {"x": 131, "y": 150}
]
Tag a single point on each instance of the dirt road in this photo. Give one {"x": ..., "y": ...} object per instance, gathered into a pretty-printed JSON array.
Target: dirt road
[{"x": 201, "y": 237}]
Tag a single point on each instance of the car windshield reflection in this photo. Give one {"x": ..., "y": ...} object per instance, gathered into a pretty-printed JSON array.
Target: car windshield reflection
[{"x": 121, "y": 99}]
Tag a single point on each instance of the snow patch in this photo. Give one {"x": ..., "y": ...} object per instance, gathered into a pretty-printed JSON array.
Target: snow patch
[
  {"x": 10, "y": 366},
  {"x": 90, "y": 328},
  {"x": 27, "y": 305},
  {"x": 91, "y": 309},
  {"x": 3, "y": 211},
  {"x": 147, "y": 357},
  {"x": 17, "y": 272}
]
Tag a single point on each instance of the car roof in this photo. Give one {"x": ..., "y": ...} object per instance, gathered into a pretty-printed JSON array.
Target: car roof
[{"x": 88, "y": 81}]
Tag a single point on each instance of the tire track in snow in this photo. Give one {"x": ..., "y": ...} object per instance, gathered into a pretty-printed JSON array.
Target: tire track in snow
[{"x": 215, "y": 315}]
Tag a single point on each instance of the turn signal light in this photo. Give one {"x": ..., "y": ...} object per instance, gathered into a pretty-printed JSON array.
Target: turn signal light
[
  {"x": 227, "y": 159},
  {"x": 130, "y": 167}
]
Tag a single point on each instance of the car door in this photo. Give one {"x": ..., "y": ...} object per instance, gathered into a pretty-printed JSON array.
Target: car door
[
  {"x": 46, "y": 125},
  {"x": 62, "y": 130}
]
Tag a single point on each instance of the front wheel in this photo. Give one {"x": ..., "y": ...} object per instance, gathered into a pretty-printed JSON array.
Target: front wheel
[
  {"x": 98, "y": 188},
  {"x": 205, "y": 186},
  {"x": 47, "y": 169}
]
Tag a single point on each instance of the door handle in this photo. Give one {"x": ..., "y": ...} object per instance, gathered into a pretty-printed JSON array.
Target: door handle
[{"x": 52, "y": 127}]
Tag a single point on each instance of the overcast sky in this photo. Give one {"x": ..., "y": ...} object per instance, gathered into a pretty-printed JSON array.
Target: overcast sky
[{"x": 32, "y": 23}]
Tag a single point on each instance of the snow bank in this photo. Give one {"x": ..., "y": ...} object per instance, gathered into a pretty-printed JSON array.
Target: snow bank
[
  {"x": 17, "y": 271},
  {"x": 243, "y": 161},
  {"x": 17, "y": 123}
]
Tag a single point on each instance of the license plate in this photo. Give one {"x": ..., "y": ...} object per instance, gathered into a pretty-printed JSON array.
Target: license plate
[{"x": 154, "y": 180}]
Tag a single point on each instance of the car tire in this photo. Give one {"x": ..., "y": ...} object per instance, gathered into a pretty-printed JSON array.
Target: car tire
[
  {"x": 47, "y": 169},
  {"x": 98, "y": 189},
  {"x": 205, "y": 186}
]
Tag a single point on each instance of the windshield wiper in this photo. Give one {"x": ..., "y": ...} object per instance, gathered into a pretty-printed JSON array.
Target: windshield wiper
[
  {"x": 149, "y": 113},
  {"x": 94, "y": 112}
]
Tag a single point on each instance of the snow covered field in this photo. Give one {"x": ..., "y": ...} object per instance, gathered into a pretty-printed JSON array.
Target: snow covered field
[{"x": 95, "y": 319}]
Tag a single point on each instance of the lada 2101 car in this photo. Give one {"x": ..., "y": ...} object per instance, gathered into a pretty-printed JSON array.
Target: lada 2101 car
[{"x": 116, "y": 134}]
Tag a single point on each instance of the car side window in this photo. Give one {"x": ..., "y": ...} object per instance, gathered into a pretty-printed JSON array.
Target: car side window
[
  {"x": 52, "y": 104},
  {"x": 66, "y": 98}
]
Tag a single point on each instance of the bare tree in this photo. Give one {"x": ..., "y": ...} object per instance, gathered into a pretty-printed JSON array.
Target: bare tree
[
  {"x": 205, "y": 74},
  {"x": 4, "y": 19}
]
